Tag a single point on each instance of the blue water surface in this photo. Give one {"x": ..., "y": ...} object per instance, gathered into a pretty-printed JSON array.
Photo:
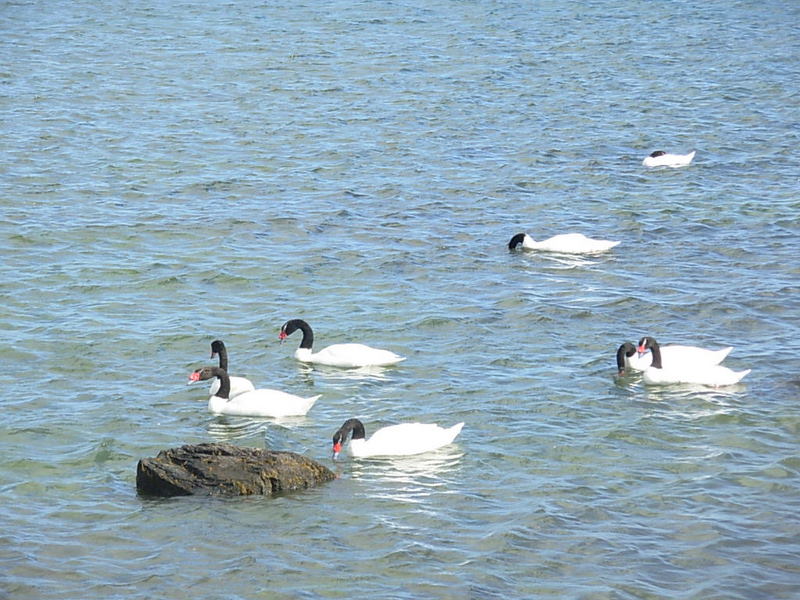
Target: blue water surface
[{"x": 173, "y": 173}]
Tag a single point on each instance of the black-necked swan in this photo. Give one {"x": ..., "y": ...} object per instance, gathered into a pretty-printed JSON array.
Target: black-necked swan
[
  {"x": 564, "y": 243},
  {"x": 238, "y": 384},
  {"x": 659, "y": 158},
  {"x": 405, "y": 439},
  {"x": 337, "y": 355},
  {"x": 685, "y": 372},
  {"x": 256, "y": 403},
  {"x": 628, "y": 357}
]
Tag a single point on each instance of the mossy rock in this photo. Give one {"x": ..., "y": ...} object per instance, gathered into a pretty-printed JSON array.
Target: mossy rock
[{"x": 227, "y": 470}]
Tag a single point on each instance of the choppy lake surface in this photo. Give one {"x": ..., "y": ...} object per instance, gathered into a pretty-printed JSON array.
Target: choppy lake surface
[{"x": 174, "y": 173}]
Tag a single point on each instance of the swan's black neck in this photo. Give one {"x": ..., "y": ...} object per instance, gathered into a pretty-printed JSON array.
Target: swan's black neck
[
  {"x": 626, "y": 349},
  {"x": 354, "y": 425},
  {"x": 657, "y": 153},
  {"x": 650, "y": 343},
  {"x": 217, "y": 347},
  {"x": 308, "y": 336},
  {"x": 516, "y": 241},
  {"x": 224, "y": 390}
]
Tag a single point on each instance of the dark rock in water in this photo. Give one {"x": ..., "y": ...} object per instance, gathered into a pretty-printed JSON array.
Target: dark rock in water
[{"x": 227, "y": 470}]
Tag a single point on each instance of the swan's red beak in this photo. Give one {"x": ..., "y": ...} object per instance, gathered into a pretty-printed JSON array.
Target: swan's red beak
[
  {"x": 337, "y": 447},
  {"x": 194, "y": 377},
  {"x": 641, "y": 349},
  {"x": 282, "y": 335}
]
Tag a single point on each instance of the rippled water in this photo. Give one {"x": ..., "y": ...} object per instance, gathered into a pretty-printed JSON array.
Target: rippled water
[{"x": 174, "y": 173}]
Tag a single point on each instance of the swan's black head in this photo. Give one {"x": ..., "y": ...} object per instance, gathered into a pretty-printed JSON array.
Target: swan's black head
[
  {"x": 293, "y": 325},
  {"x": 205, "y": 373},
  {"x": 216, "y": 347},
  {"x": 516, "y": 241},
  {"x": 657, "y": 153},
  {"x": 338, "y": 439},
  {"x": 289, "y": 328},
  {"x": 354, "y": 425},
  {"x": 646, "y": 343},
  {"x": 626, "y": 349}
]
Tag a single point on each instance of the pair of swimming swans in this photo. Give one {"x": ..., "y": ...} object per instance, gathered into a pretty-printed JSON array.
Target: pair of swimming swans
[
  {"x": 675, "y": 363},
  {"x": 237, "y": 396},
  {"x": 578, "y": 243}
]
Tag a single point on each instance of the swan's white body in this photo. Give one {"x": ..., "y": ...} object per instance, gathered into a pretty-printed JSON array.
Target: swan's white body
[
  {"x": 349, "y": 356},
  {"x": 568, "y": 243},
  {"x": 405, "y": 439},
  {"x": 712, "y": 375},
  {"x": 669, "y": 160},
  {"x": 262, "y": 403},
  {"x": 338, "y": 355},
  {"x": 676, "y": 354},
  {"x": 239, "y": 385},
  {"x": 255, "y": 403},
  {"x": 665, "y": 372}
]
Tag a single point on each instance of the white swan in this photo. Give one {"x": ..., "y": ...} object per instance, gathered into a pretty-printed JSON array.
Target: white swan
[
  {"x": 659, "y": 158},
  {"x": 685, "y": 372},
  {"x": 238, "y": 384},
  {"x": 256, "y": 403},
  {"x": 628, "y": 358},
  {"x": 565, "y": 243},
  {"x": 404, "y": 439},
  {"x": 337, "y": 355}
]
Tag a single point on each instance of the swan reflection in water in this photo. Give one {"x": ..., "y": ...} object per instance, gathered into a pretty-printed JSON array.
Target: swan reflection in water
[
  {"x": 223, "y": 428},
  {"x": 721, "y": 398},
  {"x": 406, "y": 478},
  {"x": 335, "y": 374},
  {"x": 563, "y": 262}
]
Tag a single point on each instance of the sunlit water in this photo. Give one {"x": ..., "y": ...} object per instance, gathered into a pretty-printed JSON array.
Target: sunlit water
[{"x": 175, "y": 173}]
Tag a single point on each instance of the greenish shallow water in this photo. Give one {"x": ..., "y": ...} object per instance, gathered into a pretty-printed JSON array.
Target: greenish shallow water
[{"x": 176, "y": 173}]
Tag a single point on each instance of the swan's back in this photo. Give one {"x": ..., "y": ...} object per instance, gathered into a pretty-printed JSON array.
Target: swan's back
[
  {"x": 405, "y": 439},
  {"x": 573, "y": 243},
  {"x": 350, "y": 355},
  {"x": 239, "y": 385},
  {"x": 262, "y": 403},
  {"x": 711, "y": 375},
  {"x": 693, "y": 354},
  {"x": 665, "y": 159}
]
